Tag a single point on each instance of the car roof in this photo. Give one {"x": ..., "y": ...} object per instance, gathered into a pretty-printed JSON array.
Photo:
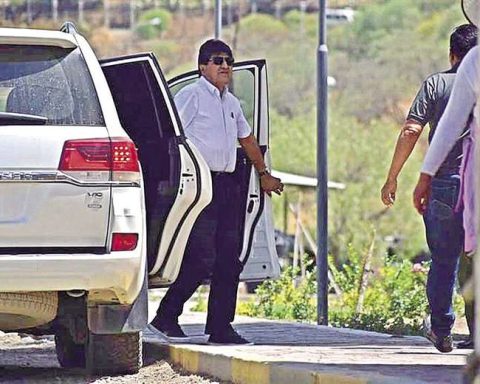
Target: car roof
[{"x": 23, "y": 36}]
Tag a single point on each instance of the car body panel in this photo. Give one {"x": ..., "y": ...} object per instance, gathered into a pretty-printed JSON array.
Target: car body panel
[
  {"x": 56, "y": 229},
  {"x": 36, "y": 37}
]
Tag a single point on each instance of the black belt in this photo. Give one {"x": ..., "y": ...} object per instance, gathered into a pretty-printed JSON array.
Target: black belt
[{"x": 219, "y": 173}]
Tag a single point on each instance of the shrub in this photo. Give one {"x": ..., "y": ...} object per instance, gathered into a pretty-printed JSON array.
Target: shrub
[
  {"x": 395, "y": 300},
  {"x": 153, "y": 22},
  {"x": 285, "y": 298}
]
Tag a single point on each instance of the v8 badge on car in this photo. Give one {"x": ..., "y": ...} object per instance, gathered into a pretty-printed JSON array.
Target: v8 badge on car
[{"x": 94, "y": 200}]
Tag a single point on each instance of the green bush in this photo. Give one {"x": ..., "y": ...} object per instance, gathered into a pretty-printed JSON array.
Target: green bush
[
  {"x": 284, "y": 298},
  {"x": 146, "y": 31},
  {"x": 153, "y": 22},
  {"x": 395, "y": 300}
]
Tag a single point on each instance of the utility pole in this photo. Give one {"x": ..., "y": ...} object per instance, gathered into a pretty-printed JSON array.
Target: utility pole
[
  {"x": 218, "y": 19},
  {"x": 29, "y": 12},
  {"x": 106, "y": 12},
  {"x": 80, "y": 11},
  {"x": 55, "y": 10},
  {"x": 132, "y": 14},
  {"x": 322, "y": 177}
]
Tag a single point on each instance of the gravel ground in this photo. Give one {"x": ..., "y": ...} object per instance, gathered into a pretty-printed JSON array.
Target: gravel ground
[{"x": 30, "y": 359}]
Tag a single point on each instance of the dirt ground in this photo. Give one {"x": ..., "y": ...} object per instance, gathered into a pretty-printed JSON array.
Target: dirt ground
[{"x": 30, "y": 359}]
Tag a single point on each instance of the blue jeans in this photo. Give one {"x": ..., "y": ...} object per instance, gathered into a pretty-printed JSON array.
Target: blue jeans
[{"x": 445, "y": 238}]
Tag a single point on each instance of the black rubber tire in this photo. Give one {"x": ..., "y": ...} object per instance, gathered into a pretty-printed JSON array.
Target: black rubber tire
[
  {"x": 69, "y": 354},
  {"x": 20, "y": 310},
  {"x": 114, "y": 354}
]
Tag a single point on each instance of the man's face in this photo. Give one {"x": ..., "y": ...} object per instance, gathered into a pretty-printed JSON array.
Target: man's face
[{"x": 218, "y": 74}]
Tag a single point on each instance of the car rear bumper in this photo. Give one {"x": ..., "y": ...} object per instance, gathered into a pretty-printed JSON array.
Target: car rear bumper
[{"x": 120, "y": 272}]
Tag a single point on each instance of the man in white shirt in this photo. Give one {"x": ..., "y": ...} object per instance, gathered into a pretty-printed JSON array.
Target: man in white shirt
[{"x": 213, "y": 120}]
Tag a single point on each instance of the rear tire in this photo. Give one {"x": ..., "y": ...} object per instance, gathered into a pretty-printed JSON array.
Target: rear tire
[
  {"x": 20, "y": 310},
  {"x": 114, "y": 354},
  {"x": 69, "y": 354}
]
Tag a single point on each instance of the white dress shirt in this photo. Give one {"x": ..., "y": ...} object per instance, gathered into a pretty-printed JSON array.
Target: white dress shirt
[
  {"x": 213, "y": 122},
  {"x": 465, "y": 92}
]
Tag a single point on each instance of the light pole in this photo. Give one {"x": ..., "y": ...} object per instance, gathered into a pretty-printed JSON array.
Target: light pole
[
  {"x": 29, "y": 12},
  {"x": 80, "y": 11},
  {"x": 322, "y": 192},
  {"x": 106, "y": 13},
  {"x": 55, "y": 10},
  {"x": 132, "y": 14},
  {"x": 218, "y": 19}
]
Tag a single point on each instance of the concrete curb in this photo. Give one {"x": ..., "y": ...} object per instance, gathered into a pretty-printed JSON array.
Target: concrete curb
[{"x": 249, "y": 371}]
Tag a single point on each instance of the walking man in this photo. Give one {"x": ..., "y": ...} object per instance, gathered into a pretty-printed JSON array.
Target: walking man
[
  {"x": 443, "y": 226},
  {"x": 213, "y": 120}
]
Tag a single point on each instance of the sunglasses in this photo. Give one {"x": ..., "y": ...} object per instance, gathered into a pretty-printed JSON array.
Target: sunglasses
[{"x": 218, "y": 60}]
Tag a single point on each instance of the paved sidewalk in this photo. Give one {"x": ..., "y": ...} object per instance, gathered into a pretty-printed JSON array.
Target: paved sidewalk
[{"x": 295, "y": 353}]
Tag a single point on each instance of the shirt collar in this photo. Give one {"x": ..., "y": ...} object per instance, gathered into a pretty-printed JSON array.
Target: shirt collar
[
  {"x": 211, "y": 88},
  {"x": 454, "y": 68}
]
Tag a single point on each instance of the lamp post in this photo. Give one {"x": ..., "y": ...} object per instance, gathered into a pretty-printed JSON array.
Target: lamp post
[
  {"x": 218, "y": 19},
  {"x": 55, "y": 10},
  {"x": 322, "y": 192},
  {"x": 80, "y": 11},
  {"x": 29, "y": 12}
]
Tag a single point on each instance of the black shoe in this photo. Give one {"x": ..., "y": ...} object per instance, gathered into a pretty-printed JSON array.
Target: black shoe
[
  {"x": 170, "y": 329},
  {"x": 443, "y": 344},
  {"x": 467, "y": 344},
  {"x": 228, "y": 337}
]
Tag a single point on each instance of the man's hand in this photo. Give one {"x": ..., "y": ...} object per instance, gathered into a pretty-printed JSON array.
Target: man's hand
[
  {"x": 421, "y": 194},
  {"x": 388, "y": 192},
  {"x": 271, "y": 184}
]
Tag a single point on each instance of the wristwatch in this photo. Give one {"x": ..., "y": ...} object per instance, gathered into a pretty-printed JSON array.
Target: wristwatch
[{"x": 263, "y": 172}]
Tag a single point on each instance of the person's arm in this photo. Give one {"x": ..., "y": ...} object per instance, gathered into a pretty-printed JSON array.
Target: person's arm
[
  {"x": 449, "y": 129},
  {"x": 405, "y": 143},
  {"x": 267, "y": 181}
]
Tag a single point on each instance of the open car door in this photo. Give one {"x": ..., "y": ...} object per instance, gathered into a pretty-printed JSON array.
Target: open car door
[
  {"x": 249, "y": 85},
  {"x": 176, "y": 179}
]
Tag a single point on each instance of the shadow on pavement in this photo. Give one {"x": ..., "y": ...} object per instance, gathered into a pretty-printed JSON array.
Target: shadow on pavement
[
  {"x": 38, "y": 364},
  {"x": 260, "y": 334}
]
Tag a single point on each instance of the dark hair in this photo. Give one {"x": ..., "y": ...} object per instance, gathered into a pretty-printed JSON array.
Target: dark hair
[
  {"x": 210, "y": 47},
  {"x": 463, "y": 39}
]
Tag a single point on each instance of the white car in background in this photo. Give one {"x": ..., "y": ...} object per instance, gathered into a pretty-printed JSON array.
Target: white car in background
[{"x": 99, "y": 190}]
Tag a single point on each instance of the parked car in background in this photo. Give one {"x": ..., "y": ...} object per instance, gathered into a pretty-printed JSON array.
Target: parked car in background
[{"x": 99, "y": 190}]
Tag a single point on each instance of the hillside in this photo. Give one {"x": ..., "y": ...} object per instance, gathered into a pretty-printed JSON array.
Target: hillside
[{"x": 378, "y": 61}]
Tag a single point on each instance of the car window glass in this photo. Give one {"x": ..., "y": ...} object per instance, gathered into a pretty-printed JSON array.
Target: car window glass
[
  {"x": 242, "y": 86},
  {"x": 52, "y": 82}
]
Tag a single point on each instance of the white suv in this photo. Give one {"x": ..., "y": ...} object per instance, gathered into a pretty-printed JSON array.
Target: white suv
[{"x": 99, "y": 189}]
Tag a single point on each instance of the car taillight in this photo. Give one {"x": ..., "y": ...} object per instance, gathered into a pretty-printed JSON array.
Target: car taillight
[
  {"x": 124, "y": 241},
  {"x": 95, "y": 159},
  {"x": 124, "y": 160}
]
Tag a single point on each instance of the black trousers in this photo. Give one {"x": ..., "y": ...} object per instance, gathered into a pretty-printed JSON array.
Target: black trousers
[{"x": 212, "y": 252}]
